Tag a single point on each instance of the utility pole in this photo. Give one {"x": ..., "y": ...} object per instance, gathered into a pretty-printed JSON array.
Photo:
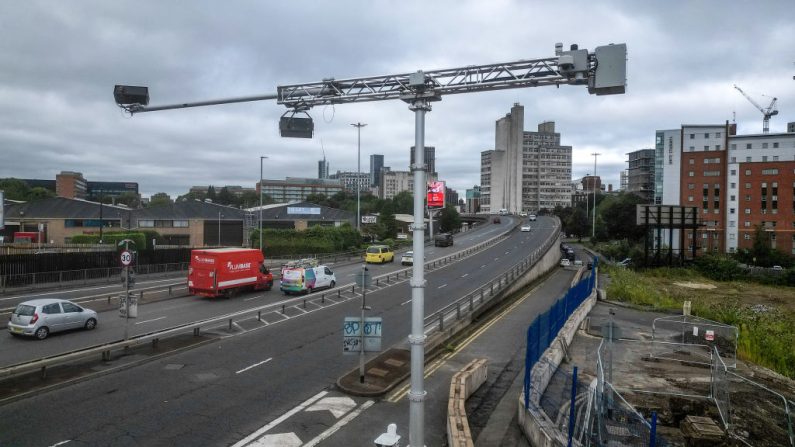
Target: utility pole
[
  {"x": 593, "y": 231},
  {"x": 602, "y": 72},
  {"x": 358, "y": 127},
  {"x": 364, "y": 307},
  {"x": 262, "y": 157},
  {"x": 219, "y": 228}
]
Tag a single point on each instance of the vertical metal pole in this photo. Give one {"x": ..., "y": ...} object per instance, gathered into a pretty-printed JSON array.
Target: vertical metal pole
[
  {"x": 571, "y": 406},
  {"x": 127, "y": 296},
  {"x": 593, "y": 231},
  {"x": 653, "y": 433},
  {"x": 358, "y": 127},
  {"x": 260, "y": 201},
  {"x": 361, "y": 327},
  {"x": 219, "y": 228},
  {"x": 430, "y": 221},
  {"x": 417, "y": 336}
]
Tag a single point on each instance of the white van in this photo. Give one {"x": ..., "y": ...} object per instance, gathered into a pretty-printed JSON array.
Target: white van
[
  {"x": 306, "y": 279},
  {"x": 503, "y": 212}
]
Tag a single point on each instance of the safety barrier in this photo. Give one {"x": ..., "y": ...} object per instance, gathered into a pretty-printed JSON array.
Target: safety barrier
[{"x": 462, "y": 385}]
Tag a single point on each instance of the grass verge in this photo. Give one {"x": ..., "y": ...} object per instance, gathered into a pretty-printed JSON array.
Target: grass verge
[{"x": 765, "y": 315}]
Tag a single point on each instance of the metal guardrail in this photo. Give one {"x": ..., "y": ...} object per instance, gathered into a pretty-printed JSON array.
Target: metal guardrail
[{"x": 105, "y": 349}]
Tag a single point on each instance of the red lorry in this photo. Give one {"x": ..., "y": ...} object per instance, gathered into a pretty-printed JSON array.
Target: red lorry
[{"x": 226, "y": 271}]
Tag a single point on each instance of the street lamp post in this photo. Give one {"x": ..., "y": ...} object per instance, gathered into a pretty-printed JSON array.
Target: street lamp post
[
  {"x": 593, "y": 230},
  {"x": 358, "y": 127},
  {"x": 262, "y": 157},
  {"x": 219, "y": 228}
]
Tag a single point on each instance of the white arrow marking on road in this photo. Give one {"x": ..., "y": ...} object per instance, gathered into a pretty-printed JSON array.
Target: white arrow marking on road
[
  {"x": 342, "y": 422},
  {"x": 248, "y": 439},
  {"x": 279, "y": 440},
  {"x": 338, "y": 406}
]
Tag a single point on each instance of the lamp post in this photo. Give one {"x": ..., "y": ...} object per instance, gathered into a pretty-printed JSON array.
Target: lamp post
[
  {"x": 262, "y": 157},
  {"x": 593, "y": 231},
  {"x": 219, "y": 228},
  {"x": 358, "y": 127}
]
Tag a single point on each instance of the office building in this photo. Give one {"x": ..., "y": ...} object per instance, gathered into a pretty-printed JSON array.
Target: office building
[
  {"x": 473, "y": 200},
  {"x": 623, "y": 180},
  {"x": 526, "y": 171},
  {"x": 353, "y": 180},
  {"x": 394, "y": 182},
  {"x": 294, "y": 189},
  {"x": 322, "y": 169},
  {"x": 71, "y": 185},
  {"x": 640, "y": 175},
  {"x": 376, "y": 164}
]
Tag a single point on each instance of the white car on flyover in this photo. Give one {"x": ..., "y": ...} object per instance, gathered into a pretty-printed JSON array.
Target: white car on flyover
[{"x": 526, "y": 228}]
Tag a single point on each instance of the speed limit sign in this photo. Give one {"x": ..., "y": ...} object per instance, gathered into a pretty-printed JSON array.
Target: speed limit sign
[{"x": 126, "y": 258}]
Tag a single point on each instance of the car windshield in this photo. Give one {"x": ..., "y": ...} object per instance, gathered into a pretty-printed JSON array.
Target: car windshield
[
  {"x": 25, "y": 310},
  {"x": 374, "y": 250},
  {"x": 409, "y": 253}
]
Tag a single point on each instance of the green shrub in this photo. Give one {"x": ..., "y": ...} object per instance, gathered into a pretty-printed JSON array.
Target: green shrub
[{"x": 111, "y": 238}]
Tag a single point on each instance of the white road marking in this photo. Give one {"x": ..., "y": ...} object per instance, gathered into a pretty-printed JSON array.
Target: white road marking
[
  {"x": 496, "y": 259},
  {"x": 465, "y": 275},
  {"x": 247, "y": 440},
  {"x": 443, "y": 285},
  {"x": 149, "y": 321},
  {"x": 61, "y": 443},
  {"x": 280, "y": 440},
  {"x": 483, "y": 266},
  {"x": 341, "y": 423},
  {"x": 405, "y": 302},
  {"x": 338, "y": 406},
  {"x": 252, "y": 298},
  {"x": 507, "y": 252},
  {"x": 254, "y": 365}
]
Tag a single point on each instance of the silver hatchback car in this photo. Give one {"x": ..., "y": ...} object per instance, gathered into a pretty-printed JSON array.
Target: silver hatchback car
[{"x": 39, "y": 318}]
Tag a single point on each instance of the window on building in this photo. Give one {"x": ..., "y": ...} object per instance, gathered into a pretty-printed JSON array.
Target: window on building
[
  {"x": 764, "y": 158},
  {"x": 146, "y": 223},
  {"x": 689, "y": 198},
  {"x": 769, "y": 171},
  {"x": 747, "y": 186},
  {"x": 747, "y": 172},
  {"x": 748, "y": 159},
  {"x": 692, "y": 148},
  {"x": 717, "y": 134},
  {"x": 706, "y": 147},
  {"x": 733, "y": 172},
  {"x": 691, "y": 161},
  {"x": 704, "y": 235},
  {"x": 775, "y": 158},
  {"x": 691, "y": 174},
  {"x": 717, "y": 147},
  {"x": 732, "y": 197},
  {"x": 731, "y": 210},
  {"x": 692, "y": 136},
  {"x": 731, "y": 236},
  {"x": 764, "y": 145},
  {"x": 733, "y": 185},
  {"x": 747, "y": 224},
  {"x": 748, "y": 146},
  {"x": 747, "y": 198},
  {"x": 747, "y": 236},
  {"x": 748, "y": 211},
  {"x": 775, "y": 145},
  {"x": 691, "y": 186},
  {"x": 706, "y": 135},
  {"x": 734, "y": 146}
]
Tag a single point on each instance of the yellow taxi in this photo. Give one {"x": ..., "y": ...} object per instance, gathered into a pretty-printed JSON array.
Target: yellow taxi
[{"x": 379, "y": 254}]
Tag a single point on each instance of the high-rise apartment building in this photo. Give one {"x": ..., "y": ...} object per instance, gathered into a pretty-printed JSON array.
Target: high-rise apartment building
[
  {"x": 293, "y": 189},
  {"x": 394, "y": 182},
  {"x": 526, "y": 171},
  {"x": 430, "y": 159},
  {"x": 376, "y": 164},
  {"x": 71, "y": 185},
  {"x": 640, "y": 175},
  {"x": 353, "y": 180},
  {"x": 322, "y": 169}
]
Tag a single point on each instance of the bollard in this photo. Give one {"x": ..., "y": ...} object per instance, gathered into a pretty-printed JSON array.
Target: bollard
[
  {"x": 108, "y": 299},
  {"x": 43, "y": 372},
  {"x": 154, "y": 343},
  {"x": 169, "y": 290},
  {"x": 377, "y": 282},
  {"x": 141, "y": 296},
  {"x": 195, "y": 332},
  {"x": 441, "y": 321},
  {"x": 282, "y": 308},
  {"x": 481, "y": 296},
  {"x": 353, "y": 289},
  {"x": 230, "y": 324},
  {"x": 339, "y": 293},
  {"x": 323, "y": 298},
  {"x": 259, "y": 315},
  {"x": 304, "y": 303},
  {"x": 457, "y": 310},
  {"x": 106, "y": 356},
  {"x": 471, "y": 303}
]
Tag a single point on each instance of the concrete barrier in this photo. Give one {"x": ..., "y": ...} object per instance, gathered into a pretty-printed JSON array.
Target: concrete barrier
[
  {"x": 463, "y": 384},
  {"x": 536, "y": 425}
]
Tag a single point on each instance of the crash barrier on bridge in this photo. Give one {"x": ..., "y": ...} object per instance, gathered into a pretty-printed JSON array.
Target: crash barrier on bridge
[
  {"x": 106, "y": 349},
  {"x": 446, "y": 322},
  {"x": 463, "y": 384}
]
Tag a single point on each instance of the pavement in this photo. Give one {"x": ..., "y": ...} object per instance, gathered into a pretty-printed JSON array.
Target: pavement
[{"x": 500, "y": 337}]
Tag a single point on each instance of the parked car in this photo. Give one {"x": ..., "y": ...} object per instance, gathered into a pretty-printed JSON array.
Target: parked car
[
  {"x": 777, "y": 268},
  {"x": 526, "y": 228},
  {"x": 379, "y": 254},
  {"x": 407, "y": 258},
  {"x": 39, "y": 318},
  {"x": 624, "y": 262},
  {"x": 565, "y": 262},
  {"x": 443, "y": 240}
]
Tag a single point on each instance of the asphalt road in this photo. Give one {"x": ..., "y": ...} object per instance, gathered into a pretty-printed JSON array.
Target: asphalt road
[
  {"x": 159, "y": 315},
  {"x": 221, "y": 392}
]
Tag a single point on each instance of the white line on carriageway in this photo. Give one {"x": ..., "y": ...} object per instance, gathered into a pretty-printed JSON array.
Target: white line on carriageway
[
  {"x": 149, "y": 321},
  {"x": 61, "y": 292},
  {"x": 248, "y": 439},
  {"x": 255, "y": 365}
]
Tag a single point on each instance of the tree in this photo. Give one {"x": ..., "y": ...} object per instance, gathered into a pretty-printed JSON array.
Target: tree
[
  {"x": 39, "y": 193},
  {"x": 15, "y": 189},
  {"x": 449, "y": 219},
  {"x": 160, "y": 198},
  {"x": 403, "y": 202},
  {"x": 318, "y": 199},
  {"x": 131, "y": 199},
  {"x": 225, "y": 197},
  {"x": 616, "y": 214},
  {"x": 211, "y": 193},
  {"x": 388, "y": 222},
  {"x": 249, "y": 199}
]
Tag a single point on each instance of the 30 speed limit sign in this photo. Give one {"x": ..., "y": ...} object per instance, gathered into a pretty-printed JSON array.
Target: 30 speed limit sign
[{"x": 126, "y": 258}]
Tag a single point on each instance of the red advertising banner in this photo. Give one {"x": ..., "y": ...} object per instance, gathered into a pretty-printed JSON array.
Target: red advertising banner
[{"x": 435, "y": 194}]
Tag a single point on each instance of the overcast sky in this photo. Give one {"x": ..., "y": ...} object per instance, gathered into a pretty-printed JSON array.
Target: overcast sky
[{"x": 59, "y": 61}]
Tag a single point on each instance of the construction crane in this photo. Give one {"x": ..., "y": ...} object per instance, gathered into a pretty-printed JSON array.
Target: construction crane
[
  {"x": 766, "y": 113},
  {"x": 603, "y": 72}
]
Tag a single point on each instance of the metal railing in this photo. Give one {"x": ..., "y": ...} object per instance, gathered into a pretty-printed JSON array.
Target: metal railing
[
  {"x": 106, "y": 348},
  {"x": 65, "y": 278}
]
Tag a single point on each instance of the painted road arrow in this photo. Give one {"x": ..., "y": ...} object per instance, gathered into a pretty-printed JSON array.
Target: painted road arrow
[
  {"x": 279, "y": 440},
  {"x": 338, "y": 406}
]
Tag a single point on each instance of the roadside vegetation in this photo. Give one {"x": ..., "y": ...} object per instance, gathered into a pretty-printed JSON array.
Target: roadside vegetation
[{"x": 764, "y": 314}]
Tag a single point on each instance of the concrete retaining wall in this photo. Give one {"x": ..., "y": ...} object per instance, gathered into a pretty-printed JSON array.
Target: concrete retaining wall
[
  {"x": 463, "y": 384},
  {"x": 535, "y": 424}
]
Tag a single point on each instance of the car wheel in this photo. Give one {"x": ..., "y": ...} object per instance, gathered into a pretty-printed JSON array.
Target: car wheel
[
  {"x": 91, "y": 324},
  {"x": 332, "y": 285},
  {"x": 42, "y": 333}
]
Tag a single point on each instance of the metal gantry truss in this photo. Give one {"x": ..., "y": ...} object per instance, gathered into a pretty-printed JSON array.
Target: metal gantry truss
[{"x": 473, "y": 78}]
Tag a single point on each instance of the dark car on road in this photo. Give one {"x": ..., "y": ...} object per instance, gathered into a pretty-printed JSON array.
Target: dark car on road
[{"x": 443, "y": 240}]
